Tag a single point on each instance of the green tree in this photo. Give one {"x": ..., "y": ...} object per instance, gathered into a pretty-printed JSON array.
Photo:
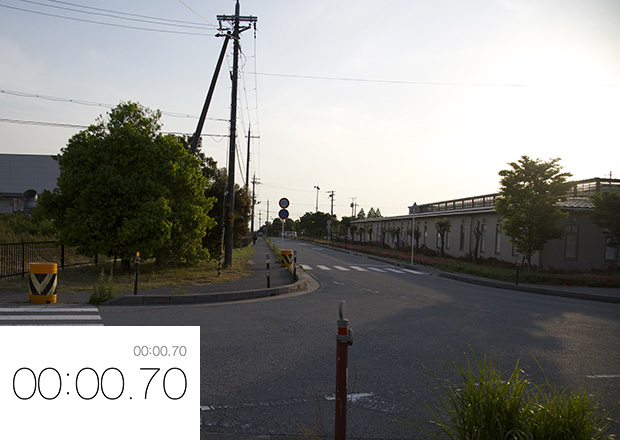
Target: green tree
[
  {"x": 443, "y": 227},
  {"x": 314, "y": 224},
  {"x": 528, "y": 203},
  {"x": 606, "y": 214},
  {"x": 371, "y": 213},
  {"x": 124, "y": 187},
  {"x": 361, "y": 215}
]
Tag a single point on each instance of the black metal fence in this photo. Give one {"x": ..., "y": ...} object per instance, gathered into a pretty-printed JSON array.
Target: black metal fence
[{"x": 15, "y": 257}]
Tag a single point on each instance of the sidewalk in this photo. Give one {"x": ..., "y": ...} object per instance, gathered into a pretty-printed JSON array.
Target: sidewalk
[{"x": 252, "y": 286}]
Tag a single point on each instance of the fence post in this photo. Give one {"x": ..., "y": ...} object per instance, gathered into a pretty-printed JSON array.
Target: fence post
[
  {"x": 23, "y": 259},
  {"x": 344, "y": 338}
]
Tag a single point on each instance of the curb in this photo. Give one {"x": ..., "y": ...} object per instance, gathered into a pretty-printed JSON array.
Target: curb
[
  {"x": 532, "y": 289},
  {"x": 206, "y": 298}
]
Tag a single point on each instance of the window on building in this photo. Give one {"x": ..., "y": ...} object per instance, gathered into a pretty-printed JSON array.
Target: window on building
[
  {"x": 447, "y": 239},
  {"x": 483, "y": 238},
  {"x": 611, "y": 252},
  {"x": 498, "y": 239},
  {"x": 425, "y": 234},
  {"x": 462, "y": 238},
  {"x": 571, "y": 242}
]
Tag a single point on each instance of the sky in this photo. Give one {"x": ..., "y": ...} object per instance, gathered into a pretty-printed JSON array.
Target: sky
[{"x": 384, "y": 103}]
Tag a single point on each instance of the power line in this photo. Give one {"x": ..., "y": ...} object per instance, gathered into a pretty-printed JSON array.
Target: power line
[
  {"x": 105, "y": 23},
  {"x": 91, "y": 103},
  {"x": 422, "y": 83},
  {"x": 83, "y": 127},
  {"x": 129, "y": 13},
  {"x": 114, "y": 14}
]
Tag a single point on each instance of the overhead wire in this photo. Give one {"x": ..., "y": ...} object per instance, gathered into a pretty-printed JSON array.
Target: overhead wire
[
  {"x": 129, "y": 13},
  {"x": 91, "y": 103},
  {"x": 113, "y": 14},
  {"x": 83, "y": 20}
]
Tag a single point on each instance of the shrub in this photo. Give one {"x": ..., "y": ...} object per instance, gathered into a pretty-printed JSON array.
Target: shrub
[
  {"x": 104, "y": 289},
  {"x": 483, "y": 404}
]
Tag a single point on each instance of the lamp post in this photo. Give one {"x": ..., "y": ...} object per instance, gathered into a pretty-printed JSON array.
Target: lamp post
[
  {"x": 413, "y": 210},
  {"x": 317, "y": 196}
]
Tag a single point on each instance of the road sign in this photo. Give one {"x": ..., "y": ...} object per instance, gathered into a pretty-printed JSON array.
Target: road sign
[
  {"x": 283, "y": 214},
  {"x": 284, "y": 203}
]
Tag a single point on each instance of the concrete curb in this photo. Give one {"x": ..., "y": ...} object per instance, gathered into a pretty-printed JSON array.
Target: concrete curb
[
  {"x": 532, "y": 289},
  {"x": 205, "y": 298}
]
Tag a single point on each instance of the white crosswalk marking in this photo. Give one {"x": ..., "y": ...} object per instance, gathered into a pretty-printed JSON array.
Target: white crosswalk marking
[
  {"x": 359, "y": 269},
  {"x": 50, "y": 316},
  {"x": 389, "y": 269},
  {"x": 376, "y": 270},
  {"x": 306, "y": 267},
  {"x": 344, "y": 269},
  {"x": 415, "y": 272},
  {"x": 320, "y": 266}
]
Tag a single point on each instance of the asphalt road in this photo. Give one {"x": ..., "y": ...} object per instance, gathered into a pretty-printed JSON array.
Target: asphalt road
[{"x": 267, "y": 366}]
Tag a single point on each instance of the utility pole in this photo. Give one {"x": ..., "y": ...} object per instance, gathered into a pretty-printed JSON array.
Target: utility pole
[
  {"x": 353, "y": 206},
  {"x": 247, "y": 168},
  {"x": 331, "y": 196},
  {"x": 234, "y": 20},
  {"x": 317, "y": 196},
  {"x": 254, "y": 182}
]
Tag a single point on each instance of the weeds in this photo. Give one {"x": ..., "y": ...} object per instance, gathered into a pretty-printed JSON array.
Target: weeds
[
  {"x": 104, "y": 289},
  {"x": 482, "y": 404}
]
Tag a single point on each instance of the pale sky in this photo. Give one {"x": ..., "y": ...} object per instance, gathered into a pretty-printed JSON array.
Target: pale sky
[{"x": 389, "y": 102}]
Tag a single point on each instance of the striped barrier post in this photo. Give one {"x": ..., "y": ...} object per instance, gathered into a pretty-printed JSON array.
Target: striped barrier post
[
  {"x": 287, "y": 258},
  {"x": 43, "y": 283}
]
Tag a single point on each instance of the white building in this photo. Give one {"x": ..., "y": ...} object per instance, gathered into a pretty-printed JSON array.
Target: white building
[{"x": 583, "y": 247}]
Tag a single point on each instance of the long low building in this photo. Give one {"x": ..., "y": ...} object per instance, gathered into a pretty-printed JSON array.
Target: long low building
[{"x": 583, "y": 247}]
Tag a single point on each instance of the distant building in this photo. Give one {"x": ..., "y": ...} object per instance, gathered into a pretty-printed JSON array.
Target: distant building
[
  {"x": 23, "y": 177},
  {"x": 583, "y": 247}
]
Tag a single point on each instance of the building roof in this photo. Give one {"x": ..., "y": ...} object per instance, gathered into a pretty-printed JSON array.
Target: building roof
[{"x": 21, "y": 172}]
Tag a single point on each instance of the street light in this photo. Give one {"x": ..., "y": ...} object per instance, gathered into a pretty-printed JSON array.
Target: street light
[
  {"x": 413, "y": 210},
  {"x": 317, "y": 196}
]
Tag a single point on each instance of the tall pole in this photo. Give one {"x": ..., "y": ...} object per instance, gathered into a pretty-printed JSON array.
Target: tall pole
[
  {"x": 230, "y": 217},
  {"x": 413, "y": 209},
  {"x": 317, "y": 196},
  {"x": 247, "y": 168},
  {"x": 205, "y": 108}
]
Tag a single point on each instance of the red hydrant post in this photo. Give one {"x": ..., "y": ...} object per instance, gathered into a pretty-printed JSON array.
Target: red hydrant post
[{"x": 344, "y": 338}]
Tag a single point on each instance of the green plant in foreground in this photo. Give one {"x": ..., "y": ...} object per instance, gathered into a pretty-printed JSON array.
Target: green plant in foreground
[
  {"x": 482, "y": 404},
  {"x": 104, "y": 289}
]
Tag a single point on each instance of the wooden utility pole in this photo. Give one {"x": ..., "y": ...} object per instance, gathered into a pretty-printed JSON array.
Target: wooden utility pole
[{"x": 235, "y": 21}]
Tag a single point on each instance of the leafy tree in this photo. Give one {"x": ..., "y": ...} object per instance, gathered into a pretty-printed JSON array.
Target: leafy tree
[
  {"x": 361, "y": 215},
  {"x": 606, "y": 214},
  {"x": 528, "y": 203},
  {"x": 314, "y": 224},
  {"x": 371, "y": 213},
  {"x": 124, "y": 187},
  {"x": 378, "y": 213},
  {"x": 443, "y": 226},
  {"x": 216, "y": 189}
]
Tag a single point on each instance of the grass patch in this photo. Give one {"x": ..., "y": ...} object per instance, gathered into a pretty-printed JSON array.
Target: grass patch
[
  {"x": 152, "y": 275},
  {"x": 481, "y": 402}
]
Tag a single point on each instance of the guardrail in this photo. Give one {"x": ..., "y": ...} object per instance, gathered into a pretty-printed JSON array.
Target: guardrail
[{"x": 15, "y": 257}]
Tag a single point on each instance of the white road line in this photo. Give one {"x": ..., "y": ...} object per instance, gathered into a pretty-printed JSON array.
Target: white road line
[
  {"x": 389, "y": 269},
  {"x": 603, "y": 376},
  {"x": 306, "y": 267},
  {"x": 351, "y": 397},
  {"x": 47, "y": 309},
  {"x": 376, "y": 270},
  {"x": 50, "y": 317},
  {"x": 320, "y": 266},
  {"x": 360, "y": 269},
  {"x": 344, "y": 269},
  {"x": 413, "y": 271}
]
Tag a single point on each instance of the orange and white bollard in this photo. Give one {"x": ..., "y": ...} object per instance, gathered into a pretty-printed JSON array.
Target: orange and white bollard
[{"x": 344, "y": 338}]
